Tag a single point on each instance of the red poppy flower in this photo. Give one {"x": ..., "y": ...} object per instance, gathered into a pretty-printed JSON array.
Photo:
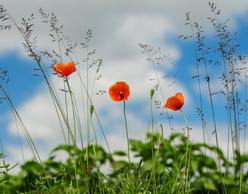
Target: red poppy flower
[
  {"x": 175, "y": 102},
  {"x": 119, "y": 91},
  {"x": 65, "y": 69}
]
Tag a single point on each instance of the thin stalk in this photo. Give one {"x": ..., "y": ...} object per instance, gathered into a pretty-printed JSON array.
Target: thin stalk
[
  {"x": 228, "y": 138},
  {"x": 244, "y": 141},
  {"x": 153, "y": 176},
  {"x": 26, "y": 133},
  {"x": 187, "y": 160},
  {"x": 245, "y": 128},
  {"x": 162, "y": 95},
  {"x": 95, "y": 78},
  {"x": 87, "y": 104},
  {"x": 19, "y": 138},
  {"x": 153, "y": 156},
  {"x": 91, "y": 102},
  {"x": 199, "y": 41},
  {"x": 125, "y": 119},
  {"x": 94, "y": 130},
  {"x": 199, "y": 82},
  {"x": 73, "y": 133},
  {"x": 50, "y": 87},
  {"x": 151, "y": 111},
  {"x": 96, "y": 114},
  {"x": 235, "y": 107},
  {"x": 228, "y": 69},
  {"x": 64, "y": 80},
  {"x": 75, "y": 117},
  {"x": 227, "y": 51},
  {"x": 94, "y": 149},
  {"x": 211, "y": 102}
]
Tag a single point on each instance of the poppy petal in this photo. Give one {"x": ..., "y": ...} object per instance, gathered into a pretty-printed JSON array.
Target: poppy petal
[
  {"x": 119, "y": 91},
  {"x": 58, "y": 68},
  {"x": 175, "y": 102},
  {"x": 179, "y": 95},
  {"x": 65, "y": 69}
]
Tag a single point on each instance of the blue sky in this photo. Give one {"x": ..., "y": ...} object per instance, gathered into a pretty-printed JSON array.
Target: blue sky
[
  {"x": 116, "y": 39},
  {"x": 22, "y": 85}
]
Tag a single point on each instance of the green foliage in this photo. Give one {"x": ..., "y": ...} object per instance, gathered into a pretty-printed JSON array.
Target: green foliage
[{"x": 160, "y": 162}]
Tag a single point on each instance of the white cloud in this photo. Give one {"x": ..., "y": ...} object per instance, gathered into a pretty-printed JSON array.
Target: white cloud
[{"x": 107, "y": 18}]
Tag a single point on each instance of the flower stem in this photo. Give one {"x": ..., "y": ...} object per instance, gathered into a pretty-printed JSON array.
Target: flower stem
[
  {"x": 187, "y": 160},
  {"x": 125, "y": 118}
]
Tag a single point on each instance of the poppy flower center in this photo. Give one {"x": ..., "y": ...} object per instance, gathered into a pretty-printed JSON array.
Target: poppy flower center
[{"x": 121, "y": 95}]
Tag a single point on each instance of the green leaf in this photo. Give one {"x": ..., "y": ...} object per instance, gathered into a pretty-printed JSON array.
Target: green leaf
[
  {"x": 70, "y": 149},
  {"x": 148, "y": 165},
  {"x": 32, "y": 167},
  {"x": 120, "y": 153}
]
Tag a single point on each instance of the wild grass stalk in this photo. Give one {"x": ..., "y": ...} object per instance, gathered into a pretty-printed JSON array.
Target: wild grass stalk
[
  {"x": 85, "y": 87},
  {"x": 226, "y": 76},
  {"x": 25, "y": 33},
  {"x": 155, "y": 57},
  {"x": 188, "y": 152},
  {"x": 67, "y": 88},
  {"x": 227, "y": 47},
  {"x": 25, "y": 133},
  {"x": 201, "y": 58},
  {"x": 200, "y": 53},
  {"x": 23, "y": 127},
  {"x": 200, "y": 110},
  {"x": 245, "y": 118},
  {"x": 153, "y": 172},
  {"x": 95, "y": 112}
]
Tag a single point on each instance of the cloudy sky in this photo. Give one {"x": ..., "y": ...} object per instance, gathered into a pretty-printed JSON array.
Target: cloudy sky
[{"x": 117, "y": 30}]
